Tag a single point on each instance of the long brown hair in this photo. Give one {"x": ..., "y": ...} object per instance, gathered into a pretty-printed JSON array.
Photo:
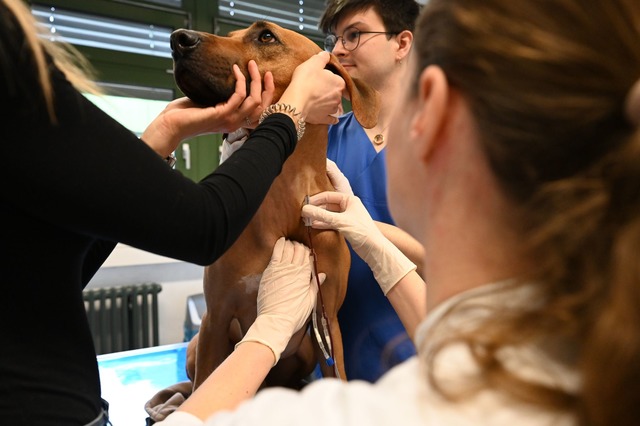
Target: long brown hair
[
  {"x": 75, "y": 66},
  {"x": 547, "y": 82}
]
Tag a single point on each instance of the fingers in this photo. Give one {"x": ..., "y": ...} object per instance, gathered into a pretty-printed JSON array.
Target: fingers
[
  {"x": 289, "y": 252},
  {"x": 320, "y": 59},
  {"x": 338, "y": 112},
  {"x": 240, "y": 92},
  {"x": 314, "y": 286},
  {"x": 322, "y": 209},
  {"x": 335, "y": 117},
  {"x": 269, "y": 89},
  {"x": 320, "y": 217},
  {"x": 324, "y": 57},
  {"x": 186, "y": 119},
  {"x": 328, "y": 197},
  {"x": 326, "y": 98},
  {"x": 259, "y": 97},
  {"x": 319, "y": 100},
  {"x": 322, "y": 277},
  {"x": 300, "y": 254},
  {"x": 338, "y": 179},
  {"x": 332, "y": 168},
  {"x": 255, "y": 91},
  {"x": 278, "y": 250}
]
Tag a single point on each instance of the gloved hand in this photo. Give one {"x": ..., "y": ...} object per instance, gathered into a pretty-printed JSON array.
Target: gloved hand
[
  {"x": 338, "y": 179},
  {"x": 347, "y": 214},
  {"x": 286, "y": 296}
]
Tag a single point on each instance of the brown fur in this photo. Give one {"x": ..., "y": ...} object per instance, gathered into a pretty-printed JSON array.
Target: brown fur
[{"x": 202, "y": 70}]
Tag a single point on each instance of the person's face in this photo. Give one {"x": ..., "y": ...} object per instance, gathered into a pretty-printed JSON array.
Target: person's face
[{"x": 374, "y": 58}]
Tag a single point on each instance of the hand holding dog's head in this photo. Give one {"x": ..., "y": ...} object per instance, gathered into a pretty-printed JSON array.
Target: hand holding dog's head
[{"x": 203, "y": 64}]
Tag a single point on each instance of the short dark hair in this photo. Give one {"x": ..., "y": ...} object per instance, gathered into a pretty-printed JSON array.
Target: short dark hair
[{"x": 397, "y": 15}]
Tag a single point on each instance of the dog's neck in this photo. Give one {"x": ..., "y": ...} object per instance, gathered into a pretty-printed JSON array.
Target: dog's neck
[
  {"x": 310, "y": 150},
  {"x": 312, "y": 147}
]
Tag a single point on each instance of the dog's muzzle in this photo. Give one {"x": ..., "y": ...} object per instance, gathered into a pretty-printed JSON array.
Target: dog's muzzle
[{"x": 182, "y": 42}]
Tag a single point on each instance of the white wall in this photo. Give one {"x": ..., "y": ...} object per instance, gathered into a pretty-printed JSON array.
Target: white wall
[
  {"x": 179, "y": 280},
  {"x": 127, "y": 265}
]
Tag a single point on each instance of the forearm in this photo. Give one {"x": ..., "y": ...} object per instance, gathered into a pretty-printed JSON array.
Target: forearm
[
  {"x": 409, "y": 295},
  {"x": 164, "y": 133},
  {"x": 408, "y": 245},
  {"x": 394, "y": 271},
  {"x": 409, "y": 299},
  {"x": 237, "y": 379},
  {"x": 155, "y": 136}
]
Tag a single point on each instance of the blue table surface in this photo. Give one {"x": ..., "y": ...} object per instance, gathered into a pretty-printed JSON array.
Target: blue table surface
[{"x": 130, "y": 378}]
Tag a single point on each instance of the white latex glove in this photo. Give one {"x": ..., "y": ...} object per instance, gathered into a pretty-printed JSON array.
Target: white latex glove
[
  {"x": 286, "y": 297},
  {"x": 347, "y": 214},
  {"x": 338, "y": 179}
]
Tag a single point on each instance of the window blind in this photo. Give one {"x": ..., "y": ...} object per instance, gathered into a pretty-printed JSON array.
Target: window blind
[
  {"x": 173, "y": 3},
  {"x": 107, "y": 33},
  {"x": 298, "y": 15}
]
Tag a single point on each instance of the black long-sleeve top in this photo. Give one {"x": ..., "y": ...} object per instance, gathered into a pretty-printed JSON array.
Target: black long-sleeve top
[{"x": 70, "y": 191}]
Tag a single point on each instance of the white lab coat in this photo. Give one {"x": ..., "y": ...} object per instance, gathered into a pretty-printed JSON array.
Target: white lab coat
[{"x": 403, "y": 396}]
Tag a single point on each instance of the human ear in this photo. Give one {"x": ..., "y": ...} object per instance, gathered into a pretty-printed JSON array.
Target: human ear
[
  {"x": 405, "y": 41},
  {"x": 429, "y": 120}
]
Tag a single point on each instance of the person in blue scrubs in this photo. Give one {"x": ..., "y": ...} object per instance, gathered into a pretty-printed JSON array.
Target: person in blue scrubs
[{"x": 372, "y": 40}]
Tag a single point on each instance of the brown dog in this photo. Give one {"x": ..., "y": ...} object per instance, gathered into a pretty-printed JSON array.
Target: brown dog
[{"x": 202, "y": 70}]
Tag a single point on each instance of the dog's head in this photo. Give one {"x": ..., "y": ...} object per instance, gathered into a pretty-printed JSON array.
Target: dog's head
[{"x": 203, "y": 62}]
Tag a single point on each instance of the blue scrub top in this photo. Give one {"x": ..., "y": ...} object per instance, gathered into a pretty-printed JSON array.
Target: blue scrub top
[{"x": 373, "y": 336}]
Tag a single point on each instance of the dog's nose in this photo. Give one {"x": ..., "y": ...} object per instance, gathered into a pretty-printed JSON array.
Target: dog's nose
[{"x": 182, "y": 41}]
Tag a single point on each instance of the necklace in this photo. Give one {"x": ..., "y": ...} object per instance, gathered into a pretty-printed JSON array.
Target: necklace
[{"x": 379, "y": 138}]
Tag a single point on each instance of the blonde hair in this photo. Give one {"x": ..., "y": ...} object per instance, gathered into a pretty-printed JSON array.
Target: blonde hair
[
  {"x": 547, "y": 84},
  {"x": 74, "y": 65}
]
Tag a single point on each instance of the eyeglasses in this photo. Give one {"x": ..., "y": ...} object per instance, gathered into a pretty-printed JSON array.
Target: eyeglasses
[{"x": 350, "y": 39}]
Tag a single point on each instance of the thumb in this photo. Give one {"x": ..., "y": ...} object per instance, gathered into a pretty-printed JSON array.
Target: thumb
[
  {"x": 338, "y": 179},
  {"x": 321, "y": 277},
  {"x": 314, "y": 284},
  {"x": 324, "y": 57}
]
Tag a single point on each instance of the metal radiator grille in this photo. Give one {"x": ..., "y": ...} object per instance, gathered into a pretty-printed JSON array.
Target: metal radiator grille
[{"x": 123, "y": 318}]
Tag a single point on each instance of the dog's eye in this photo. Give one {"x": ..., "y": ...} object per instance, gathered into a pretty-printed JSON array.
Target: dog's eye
[{"x": 266, "y": 37}]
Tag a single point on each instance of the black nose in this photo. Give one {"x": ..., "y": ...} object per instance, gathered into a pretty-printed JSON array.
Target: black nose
[{"x": 183, "y": 41}]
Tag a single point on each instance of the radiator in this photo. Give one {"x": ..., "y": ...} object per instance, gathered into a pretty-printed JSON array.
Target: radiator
[{"x": 123, "y": 318}]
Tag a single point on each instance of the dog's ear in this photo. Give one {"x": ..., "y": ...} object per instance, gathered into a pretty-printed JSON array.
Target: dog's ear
[{"x": 365, "y": 101}]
